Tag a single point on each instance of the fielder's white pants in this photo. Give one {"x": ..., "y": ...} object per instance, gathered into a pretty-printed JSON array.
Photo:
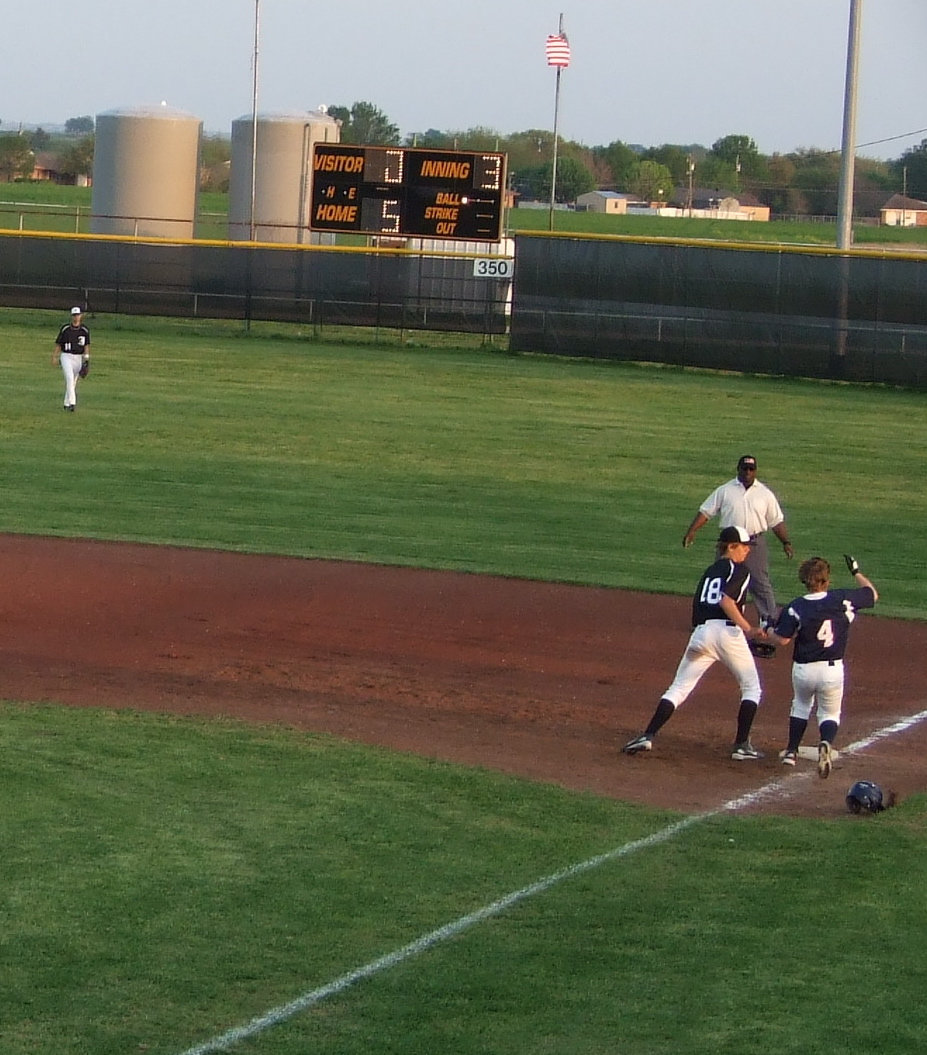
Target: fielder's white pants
[
  {"x": 715, "y": 642},
  {"x": 818, "y": 683},
  {"x": 70, "y": 367}
]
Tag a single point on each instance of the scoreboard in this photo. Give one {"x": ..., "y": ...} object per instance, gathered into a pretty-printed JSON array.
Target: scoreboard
[{"x": 407, "y": 192}]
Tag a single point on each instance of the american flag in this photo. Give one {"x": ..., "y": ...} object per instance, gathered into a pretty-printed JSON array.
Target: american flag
[{"x": 558, "y": 50}]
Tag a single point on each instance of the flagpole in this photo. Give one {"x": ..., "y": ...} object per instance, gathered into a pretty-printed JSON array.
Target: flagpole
[{"x": 553, "y": 167}]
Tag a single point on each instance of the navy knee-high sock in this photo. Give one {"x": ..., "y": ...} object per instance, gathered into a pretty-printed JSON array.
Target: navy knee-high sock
[
  {"x": 663, "y": 713},
  {"x": 745, "y": 717}
]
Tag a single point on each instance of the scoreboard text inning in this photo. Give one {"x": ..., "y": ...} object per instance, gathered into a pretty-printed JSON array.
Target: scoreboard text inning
[{"x": 407, "y": 192}]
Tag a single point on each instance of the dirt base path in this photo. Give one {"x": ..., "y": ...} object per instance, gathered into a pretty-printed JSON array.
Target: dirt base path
[{"x": 540, "y": 680}]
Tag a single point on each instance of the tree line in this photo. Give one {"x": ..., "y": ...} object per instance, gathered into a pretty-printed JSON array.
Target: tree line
[{"x": 802, "y": 182}]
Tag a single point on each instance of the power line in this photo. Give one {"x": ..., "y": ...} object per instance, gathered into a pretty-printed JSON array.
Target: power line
[{"x": 891, "y": 139}]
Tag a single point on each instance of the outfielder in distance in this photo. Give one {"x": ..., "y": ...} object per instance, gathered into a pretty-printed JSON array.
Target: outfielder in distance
[
  {"x": 720, "y": 633},
  {"x": 819, "y": 624},
  {"x": 747, "y": 502},
  {"x": 72, "y": 351}
]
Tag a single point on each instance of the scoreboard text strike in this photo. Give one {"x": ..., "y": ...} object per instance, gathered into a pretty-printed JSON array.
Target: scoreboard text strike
[{"x": 412, "y": 193}]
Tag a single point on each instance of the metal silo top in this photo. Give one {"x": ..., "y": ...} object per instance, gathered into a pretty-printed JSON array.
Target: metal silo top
[
  {"x": 290, "y": 116},
  {"x": 150, "y": 111}
]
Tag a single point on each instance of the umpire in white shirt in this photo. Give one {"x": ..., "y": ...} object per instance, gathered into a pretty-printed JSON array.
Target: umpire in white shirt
[{"x": 746, "y": 501}]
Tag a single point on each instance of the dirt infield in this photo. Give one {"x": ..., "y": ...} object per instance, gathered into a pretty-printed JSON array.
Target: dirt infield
[{"x": 541, "y": 680}]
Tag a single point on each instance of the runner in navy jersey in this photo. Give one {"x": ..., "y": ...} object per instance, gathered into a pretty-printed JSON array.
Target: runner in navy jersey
[{"x": 819, "y": 625}]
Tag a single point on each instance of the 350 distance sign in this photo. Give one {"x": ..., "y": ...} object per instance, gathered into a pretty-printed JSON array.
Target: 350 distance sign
[{"x": 407, "y": 192}]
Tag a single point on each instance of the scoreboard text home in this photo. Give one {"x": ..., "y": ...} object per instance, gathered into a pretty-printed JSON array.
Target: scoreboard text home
[{"x": 411, "y": 193}]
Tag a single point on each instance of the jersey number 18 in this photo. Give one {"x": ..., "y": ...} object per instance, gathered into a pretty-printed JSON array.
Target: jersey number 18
[{"x": 711, "y": 592}]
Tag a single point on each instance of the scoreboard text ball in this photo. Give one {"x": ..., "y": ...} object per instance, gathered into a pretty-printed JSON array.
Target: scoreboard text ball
[{"x": 411, "y": 193}]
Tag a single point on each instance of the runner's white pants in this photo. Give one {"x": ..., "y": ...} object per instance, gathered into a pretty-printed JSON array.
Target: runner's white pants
[{"x": 818, "y": 683}]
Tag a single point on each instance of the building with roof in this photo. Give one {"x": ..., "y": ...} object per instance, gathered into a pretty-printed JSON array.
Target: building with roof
[
  {"x": 900, "y": 211},
  {"x": 607, "y": 201}
]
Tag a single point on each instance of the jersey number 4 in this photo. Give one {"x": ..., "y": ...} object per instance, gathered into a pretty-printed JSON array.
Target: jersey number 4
[{"x": 825, "y": 633}]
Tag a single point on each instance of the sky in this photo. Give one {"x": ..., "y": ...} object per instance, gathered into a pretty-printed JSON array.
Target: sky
[{"x": 661, "y": 71}]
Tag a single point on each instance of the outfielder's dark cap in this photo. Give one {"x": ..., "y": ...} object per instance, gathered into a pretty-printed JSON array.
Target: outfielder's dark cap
[
  {"x": 747, "y": 461},
  {"x": 735, "y": 534}
]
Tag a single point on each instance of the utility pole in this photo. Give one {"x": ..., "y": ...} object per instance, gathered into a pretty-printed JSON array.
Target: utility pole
[
  {"x": 904, "y": 195},
  {"x": 847, "y": 173},
  {"x": 848, "y": 149},
  {"x": 690, "y": 165}
]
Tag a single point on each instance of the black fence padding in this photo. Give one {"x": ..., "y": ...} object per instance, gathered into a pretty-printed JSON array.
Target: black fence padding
[
  {"x": 307, "y": 285},
  {"x": 854, "y": 316}
]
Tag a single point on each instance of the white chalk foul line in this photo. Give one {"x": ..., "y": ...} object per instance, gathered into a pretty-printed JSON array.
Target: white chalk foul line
[
  {"x": 427, "y": 941},
  {"x": 791, "y": 784},
  {"x": 900, "y": 726}
]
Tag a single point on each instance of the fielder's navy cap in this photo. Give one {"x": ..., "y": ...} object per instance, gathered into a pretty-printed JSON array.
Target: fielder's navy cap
[
  {"x": 747, "y": 461},
  {"x": 735, "y": 534}
]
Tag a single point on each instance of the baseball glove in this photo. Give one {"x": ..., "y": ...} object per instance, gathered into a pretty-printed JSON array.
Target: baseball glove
[
  {"x": 763, "y": 649},
  {"x": 84, "y": 368}
]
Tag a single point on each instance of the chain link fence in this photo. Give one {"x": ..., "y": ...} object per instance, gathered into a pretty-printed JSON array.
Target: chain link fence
[
  {"x": 857, "y": 315},
  {"x": 395, "y": 288}
]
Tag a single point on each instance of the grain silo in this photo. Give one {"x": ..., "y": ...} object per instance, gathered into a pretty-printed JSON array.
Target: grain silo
[
  {"x": 282, "y": 175},
  {"x": 145, "y": 172}
]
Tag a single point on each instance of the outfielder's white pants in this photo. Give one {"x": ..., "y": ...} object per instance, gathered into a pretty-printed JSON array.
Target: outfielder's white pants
[
  {"x": 70, "y": 367},
  {"x": 820, "y": 683},
  {"x": 715, "y": 642}
]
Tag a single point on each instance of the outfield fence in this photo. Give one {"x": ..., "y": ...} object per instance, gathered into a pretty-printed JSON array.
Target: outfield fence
[
  {"x": 857, "y": 314},
  {"x": 796, "y": 310},
  {"x": 397, "y": 288}
]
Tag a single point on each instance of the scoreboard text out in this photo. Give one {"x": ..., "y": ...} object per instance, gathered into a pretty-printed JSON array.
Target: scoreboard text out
[{"x": 407, "y": 192}]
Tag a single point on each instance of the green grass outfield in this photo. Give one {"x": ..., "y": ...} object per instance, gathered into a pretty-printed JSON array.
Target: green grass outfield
[
  {"x": 167, "y": 880},
  {"x": 444, "y": 457}
]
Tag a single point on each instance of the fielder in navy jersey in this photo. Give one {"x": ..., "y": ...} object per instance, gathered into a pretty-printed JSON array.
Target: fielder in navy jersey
[
  {"x": 720, "y": 634},
  {"x": 819, "y": 625}
]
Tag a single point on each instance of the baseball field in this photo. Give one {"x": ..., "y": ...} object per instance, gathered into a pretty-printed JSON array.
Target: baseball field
[{"x": 318, "y": 657}]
